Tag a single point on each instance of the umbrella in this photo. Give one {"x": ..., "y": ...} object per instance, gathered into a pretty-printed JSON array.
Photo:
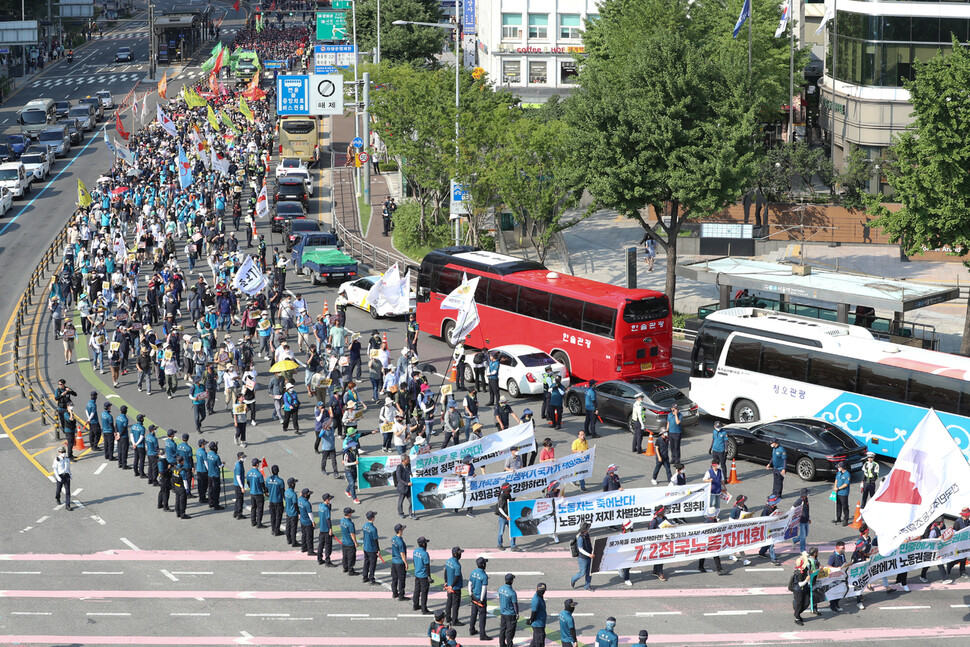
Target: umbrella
[
  {"x": 284, "y": 365},
  {"x": 133, "y": 172},
  {"x": 119, "y": 190},
  {"x": 103, "y": 179}
]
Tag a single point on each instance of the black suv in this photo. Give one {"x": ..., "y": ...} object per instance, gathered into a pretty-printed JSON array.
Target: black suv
[{"x": 292, "y": 190}]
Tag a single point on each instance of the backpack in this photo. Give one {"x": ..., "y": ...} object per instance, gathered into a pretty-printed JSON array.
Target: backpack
[
  {"x": 479, "y": 358},
  {"x": 574, "y": 547}
]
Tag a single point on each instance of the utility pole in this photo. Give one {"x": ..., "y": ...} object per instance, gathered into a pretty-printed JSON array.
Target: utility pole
[
  {"x": 353, "y": 6},
  {"x": 377, "y": 56},
  {"x": 835, "y": 67},
  {"x": 365, "y": 133},
  {"x": 152, "y": 42}
]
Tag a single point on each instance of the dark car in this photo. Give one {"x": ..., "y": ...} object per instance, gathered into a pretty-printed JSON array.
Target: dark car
[
  {"x": 813, "y": 446},
  {"x": 98, "y": 107},
  {"x": 292, "y": 190},
  {"x": 62, "y": 108},
  {"x": 292, "y": 228},
  {"x": 615, "y": 398},
  {"x": 16, "y": 145},
  {"x": 74, "y": 129},
  {"x": 123, "y": 55},
  {"x": 287, "y": 211}
]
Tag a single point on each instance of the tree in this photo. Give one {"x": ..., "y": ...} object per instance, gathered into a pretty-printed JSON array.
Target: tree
[
  {"x": 664, "y": 116},
  {"x": 929, "y": 161},
  {"x": 401, "y": 43},
  {"x": 529, "y": 171},
  {"x": 853, "y": 180}
]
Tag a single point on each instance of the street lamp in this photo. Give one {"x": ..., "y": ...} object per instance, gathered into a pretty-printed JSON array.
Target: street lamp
[{"x": 447, "y": 25}]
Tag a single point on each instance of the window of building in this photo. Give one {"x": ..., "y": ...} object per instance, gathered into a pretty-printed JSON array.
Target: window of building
[
  {"x": 539, "y": 25},
  {"x": 538, "y": 72},
  {"x": 512, "y": 72},
  {"x": 568, "y": 72},
  {"x": 512, "y": 25},
  {"x": 570, "y": 26}
]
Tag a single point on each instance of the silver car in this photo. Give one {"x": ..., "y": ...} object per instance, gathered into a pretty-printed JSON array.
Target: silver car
[
  {"x": 85, "y": 114},
  {"x": 57, "y": 138}
]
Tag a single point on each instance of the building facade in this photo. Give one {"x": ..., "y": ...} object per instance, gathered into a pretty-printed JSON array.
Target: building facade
[{"x": 529, "y": 46}]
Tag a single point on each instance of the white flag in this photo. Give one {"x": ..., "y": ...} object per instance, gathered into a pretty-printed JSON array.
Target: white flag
[
  {"x": 405, "y": 287},
  {"x": 262, "y": 205},
  {"x": 785, "y": 15},
  {"x": 221, "y": 163},
  {"x": 166, "y": 123},
  {"x": 462, "y": 295},
  {"x": 465, "y": 322},
  {"x": 829, "y": 15},
  {"x": 205, "y": 158},
  {"x": 390, "y": 292},
  {"x": 125, "y": 154},
  {"x": 248, "y": 278},
  {"x": 927, "y": 480}
]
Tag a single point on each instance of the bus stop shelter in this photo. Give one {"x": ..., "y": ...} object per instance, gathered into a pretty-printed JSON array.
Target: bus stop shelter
[{"x": 789, "y": 283}]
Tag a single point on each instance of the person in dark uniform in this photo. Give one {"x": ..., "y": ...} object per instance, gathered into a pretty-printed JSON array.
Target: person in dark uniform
[
  {"x": 402, "y": 478},
  {"x": 837, "y": 562},
  {"x": 437, "y": 629},
  {"x": 69, "y": 423},
  {"x": 121, "y": 437},
  {"x": 214, "y": 465},
  {"x": 348, "y": 542},
  {"x": 274, "y": 488},
  {"x": 537, "y": 616},
  {"x": 94, "y": 422},
  {"x": 800, "y": 588},
  {"x": 422, "y": 575},
  {"x": 777, "y": 464},
  {"x": 184, "y": 450},
  {"x": 202, "y": 472},
  {"x": 399, "y": 563},
  {"x": 371, "y": 547},
  {"x": 107, "y": 428},
  {"x": 257, "y": 494},
  {"x": 607, "y": 637},
  {"x": 151, "y": 450},
  {"x": 292, "y": 514},
  {"x": 239, "y": 485},
  {"x": 477, "y": 593},
  {"x": 136, "y": 437},
  {"x": 180, "y": 483},
  {"x": 306, "y": 521},
  {"x": 453, "y": 585},
  {"x": 325, "y": 517},
  {"x": 508, "y": 606},
  {"x": 491, "y": 372},
  {"x": 164, "y": 481}
]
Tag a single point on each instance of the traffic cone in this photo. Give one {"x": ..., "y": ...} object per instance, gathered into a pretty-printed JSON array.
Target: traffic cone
[
  {"x": 651, "y": 450},
  {"x": 326, "y": 309},
  {"x": 453, "y": 375},
  {"x": 79, "y": 442},
  {"x": 384, "y": 339},
  {"x": 857, "y": 521},
  {"x": 733, "y": 476},
  {"x": 262, "y": 467}
]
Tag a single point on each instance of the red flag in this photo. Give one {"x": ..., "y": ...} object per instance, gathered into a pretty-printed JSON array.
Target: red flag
[
  {"x": 235, "y": 5},
  {"x": 272, "y": 7},
  {"x": 218, "y": 63},
  {"x": 119, "y": 127}
]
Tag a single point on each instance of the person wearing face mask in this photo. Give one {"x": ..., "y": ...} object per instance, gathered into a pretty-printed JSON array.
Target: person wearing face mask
[
  {"x": 607, "y": 637},
  {"x": 567, "y": 624}
]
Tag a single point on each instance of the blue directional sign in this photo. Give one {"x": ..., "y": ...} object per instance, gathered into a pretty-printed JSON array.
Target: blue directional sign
[
  {"x": 326, "y": 57},
  {"x": 357, "y": 142},
  {"x": 459, "y": 200},
  {"x": 293, "y": 95}
]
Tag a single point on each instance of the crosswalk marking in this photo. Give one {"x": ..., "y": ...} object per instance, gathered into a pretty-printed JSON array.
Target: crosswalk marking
[{"x": 81, "y": 80}]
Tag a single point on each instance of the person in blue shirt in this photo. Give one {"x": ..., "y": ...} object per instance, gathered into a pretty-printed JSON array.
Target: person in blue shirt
[
  {"x": 422, "y": 574},
  {"x": 607, "y": 637},
  {"x": 537, "y": 615},
  {"x": 399, "y": 563},
  {"x": 136, "y": 436},
  {"x": 201, "y": 472},
  {"x": 508, "y": 607},
  {"x": 842, "y": 481},
  {"x": 719, "y": 443},
  {"x": 371, "y": 548},
  {"x": 348, "y": 542},
  {"x": 306, "y": 521},
  {"x": 94, "y": 422},
  {"x": 274, "y": 489},
  {"x": 715, "y": 476},
  {"x": 777, "y": 464},
  {"x": 151, "y": 449},
  {"x": 198, "y": 396},
  {"x": 325, "y": 516},
  {"x": 292, "y": 516},
  {"x": 477, "y": 593},
  {"x": 257, "y": 494},
  {"x": 567, "y": 624},
  {"x": 108, "y": 429},
  {"x": 185, "y": 451},
  {"x": 589, "y": 425},
  {"x": 214, "y": 464},
  {"x": 491, "y": 372},
  {"x": 121, "y": 436},
  {"x": 239, "y": 485},
  {"x": 453, "y": 585},
  {"x": 556, "y": 393},
  {"x": 674, "y": 431},
  {"x": 171, "y": 447}
]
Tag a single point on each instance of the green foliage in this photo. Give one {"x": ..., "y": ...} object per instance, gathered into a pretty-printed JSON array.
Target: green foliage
[
  {"x": 853, "y": 180},
  {"x": 407, "y": 235},
  {"x": 776, "y": 169},
  {"x": 401, "y": 43}
]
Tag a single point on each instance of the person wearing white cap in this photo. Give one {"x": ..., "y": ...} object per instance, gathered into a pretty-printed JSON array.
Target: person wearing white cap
[
  {"x": 638, "y": 422},
  {"x": 291, "y": 408}
]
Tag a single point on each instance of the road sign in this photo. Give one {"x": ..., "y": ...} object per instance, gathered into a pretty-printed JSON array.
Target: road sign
[
  {"x": 326, "y": 94},
  {"x": 459, "y": 199},
  {"x": 362, "y": 158},
  {"x": 342, "y": 4},
  {"x": 332, "y": 56},
  {"x": 293, "y": 95},
  {"x": 357, "y": 143},
  {"x": 4, "y": 50},
  {"x": 331, "y": 25}
]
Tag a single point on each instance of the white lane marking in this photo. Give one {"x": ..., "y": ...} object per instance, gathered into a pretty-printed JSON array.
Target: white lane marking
[
  {"x": 348, "y": 615},
  {"x": 30, "y": 613},
  {"x": 75, "y": 492},
  {"x": 28, "y": 528},
  {"x": 129, "y": 544},
  {"x": 267, "y": 615},
  {"x": 102, "y": 613},
  {"x": 191, "y": 572},
  {"x": 765, "y": 569},
  {"x": 416, "y": 615},
  {"x": 193, "y": 615},
  {"x": 42, "y": 519},
  {"x": 288, "y": 573},
  {"x": 351, "y": 618},
  {"x": 901, "y": 608},
  {"x": 19, "y": 572},
  {"x": 519, "y": 573},
  {"x": 101, "y": 522},
  {"x": 960, "y": 606},
  {"x": 734, "y": 612},
  {"x": 4, "y": 435},
  {"x": 583, "y": 614},
  {"x": 650, "y": 614},
  {"x": 169, "y": 575},
  {"x": 100, "y": 469},
  {"x": 102, "y": 572}
]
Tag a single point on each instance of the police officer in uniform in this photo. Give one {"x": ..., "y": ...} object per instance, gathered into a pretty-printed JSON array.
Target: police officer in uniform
[
  {"x": 94, "y": 422},
  {"x": 607, "y": 637},
  {"x": 202, "y": 472},
  {"x": 453, "y": 585},
  {"x": 567, "y": 624},
  {"x": 180, "y": 482},
  {"x": 348, "y": 542},
  {"x": 136, "y": 437},
  {"x": 184, "y": 450},
  {"x": 399, "y": 563},
  {"x": 121, "y": 437},
  {"x": 547, "y": 381},
  {"x": 508, "y": 606},
  {"x": 69, "y": 423},
  {"x": 292, "y": 514},
  {"x": 324, "y": 515},
  {"x": 537, "y": 616},
  {"x": 422, "y": 574},
  {"x": 151, "y": 449},
  {"x": 108, "y": 428},
  {"x": 275, "y": 487},
  {"x": 870, "y": 475},
  {"x": 477, "y": 592},
  {"x": 214, "y": 465},
  {"x": 719, "y": 443},
  {"x": 371, "y": 547},
  {"x": 638, "y": 421},
  {"x": 239, "y": 484},
  {"x": 164, "y": 481},
  {"x": 257, "y": 494},
  {"x": 306, "y": 521},
  {"x": 437, "y": 629},
  {"x": 779, "y": 459}
]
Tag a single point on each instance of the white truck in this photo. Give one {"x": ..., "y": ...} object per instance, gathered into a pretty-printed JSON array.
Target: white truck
[{"x": 15, "y": 178}]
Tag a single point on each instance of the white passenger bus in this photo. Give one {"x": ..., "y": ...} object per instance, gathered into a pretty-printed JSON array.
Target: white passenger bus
[{"x": 753, "y": 364}]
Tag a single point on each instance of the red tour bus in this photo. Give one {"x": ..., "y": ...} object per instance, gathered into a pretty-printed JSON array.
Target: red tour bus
[{"x": 596, "y": 330}]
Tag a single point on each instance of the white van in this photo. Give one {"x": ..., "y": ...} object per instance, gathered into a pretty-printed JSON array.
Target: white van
[{"x": 15, "y": 178}]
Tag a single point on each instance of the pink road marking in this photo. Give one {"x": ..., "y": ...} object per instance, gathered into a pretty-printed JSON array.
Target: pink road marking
[
  {"x": 229, "y": 556},
  {"x": 836, "y": 636}
]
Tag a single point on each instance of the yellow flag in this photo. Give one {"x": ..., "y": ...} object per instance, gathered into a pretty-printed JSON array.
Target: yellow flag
[
  {"x": 193, "y": 100},
  {"x": 83, "y": 197},
  {"x": 244, "y": 109},
  {"x": 212, "y": 118},
  {"x": 231, "y": 126},
  {"x": 163, "y": 85}
]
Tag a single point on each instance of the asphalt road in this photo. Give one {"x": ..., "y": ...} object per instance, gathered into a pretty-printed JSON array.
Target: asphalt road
[{"x": 119, "y": 571}]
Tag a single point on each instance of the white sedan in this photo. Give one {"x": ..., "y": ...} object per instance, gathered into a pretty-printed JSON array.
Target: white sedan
[
  {"x": 357, "y": 290},
  {"x": 288, "y": 164},
  {"x": 520, "y": 369},
  {"x": 6, "y": 200}
]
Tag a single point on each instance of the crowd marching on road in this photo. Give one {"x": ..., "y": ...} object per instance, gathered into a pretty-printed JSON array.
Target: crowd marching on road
[{"x": 133, "y": 245}]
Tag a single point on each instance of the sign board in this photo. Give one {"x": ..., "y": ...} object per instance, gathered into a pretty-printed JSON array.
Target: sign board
[
  {"x": 357, "y": 142},
  {"x": 459, "y": 199},
  {"x": 4, "y": 50},
  {"x": 18, "y": 32},
  {"x": 333, "y": 56},
  {"x": 468, "y": 17},
  {"x": 363, "y": 157},
  {"x": 343, "y": 4},
  {"x": 293, "y": 95},
  {"x": 273, "y": 65},
  {"x": 325, "y": 69},
  {"x": 331, "y": 25},
  {"x": 326, "y": 94}
]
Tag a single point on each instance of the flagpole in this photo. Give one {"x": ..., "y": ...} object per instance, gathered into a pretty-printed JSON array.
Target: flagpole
[
  {"x": 791, "y": 74},
  {"x": 750, "y": 20},
  {"x": 835, "y": 53}
]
